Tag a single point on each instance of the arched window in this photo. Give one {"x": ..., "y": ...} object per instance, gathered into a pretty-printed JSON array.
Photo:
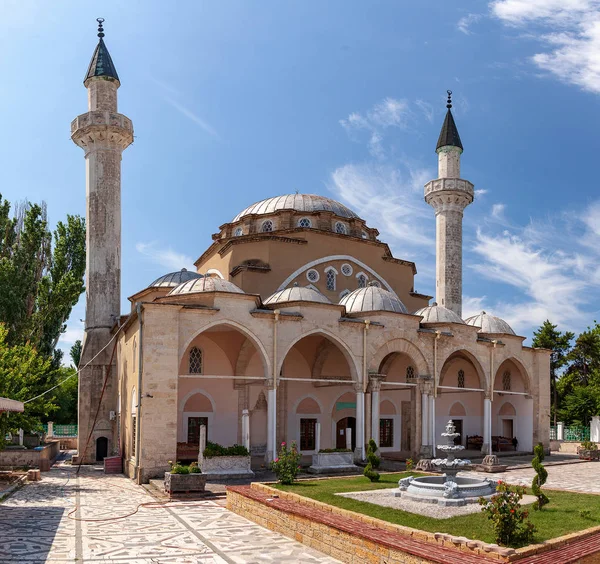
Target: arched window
[
  {"x": 410, "y": 373},
  {"x": 344, "y": 293},
  {"x": 506, "y": 381},
  {"x": 461, "y": 378},
  {"x": 340, "y": 228},
  {"x": 238, "y": 232},
  {"x": 267, "y": 226},
  {"x": 195, "y": 361},
  {"x": 304, "y": 222},
  {"x": 331, "y": 275},
  {"x": 362, "y": 280}
]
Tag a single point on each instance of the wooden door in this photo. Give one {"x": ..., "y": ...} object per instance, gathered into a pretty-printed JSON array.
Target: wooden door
[{"x": 340, "y": 432}]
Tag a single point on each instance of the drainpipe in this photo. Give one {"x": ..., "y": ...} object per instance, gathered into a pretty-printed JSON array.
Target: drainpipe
[
  {"x": 491, "y": 391},
  {"x": 138, "y": 426},
  {"x": 438, "y": 334}
]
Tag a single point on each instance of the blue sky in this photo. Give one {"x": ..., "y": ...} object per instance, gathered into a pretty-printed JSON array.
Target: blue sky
[{"x": 233, "y": 102}]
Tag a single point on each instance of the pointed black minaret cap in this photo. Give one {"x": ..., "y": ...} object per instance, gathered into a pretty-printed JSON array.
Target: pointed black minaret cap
[
  {"x": 101, "y": 63},
  {"x": 449, "y": 135}
]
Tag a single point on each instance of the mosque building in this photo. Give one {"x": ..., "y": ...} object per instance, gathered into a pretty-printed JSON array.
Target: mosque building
[{"x": 297, "y": 315}]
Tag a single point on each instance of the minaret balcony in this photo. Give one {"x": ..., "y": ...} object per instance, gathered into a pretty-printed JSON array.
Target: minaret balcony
[
  {"x": 449, "y": 185},
  {"x": 102, "y": 126}
]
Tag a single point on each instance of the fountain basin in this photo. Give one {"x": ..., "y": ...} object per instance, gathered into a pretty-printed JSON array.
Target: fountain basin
[{"x": 445, "y": 490}]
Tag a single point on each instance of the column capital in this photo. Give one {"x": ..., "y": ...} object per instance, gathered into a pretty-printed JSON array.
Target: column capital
[
  {"x": 375, "y": 382},
  {"x": 358, "y": 387}
]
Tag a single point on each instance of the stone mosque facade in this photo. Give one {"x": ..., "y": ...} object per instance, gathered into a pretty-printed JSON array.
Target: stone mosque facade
[{"x": 297, "y": 314}]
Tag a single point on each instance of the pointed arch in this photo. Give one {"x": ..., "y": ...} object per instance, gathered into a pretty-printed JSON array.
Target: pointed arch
[
  {"x": 520, "y": 367},
  {"x": 463, "y": 354},
  {"x": 398, "y": 345}
]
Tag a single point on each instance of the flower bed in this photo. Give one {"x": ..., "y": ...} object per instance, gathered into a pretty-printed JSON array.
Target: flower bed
[
  {"x": 225, "y": 463},
  {"x": 184, "y": 483}
]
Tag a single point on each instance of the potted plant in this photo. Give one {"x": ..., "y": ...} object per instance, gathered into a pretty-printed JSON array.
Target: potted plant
[
  {"x": 588, "y": 451},
  {"x": 184, "y": 479},
  {"x": 226, "y": 462},
  {"x": 332, "y": 460}
]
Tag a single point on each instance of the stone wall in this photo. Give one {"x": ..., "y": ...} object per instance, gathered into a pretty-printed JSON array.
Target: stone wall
[{"x": 30, "y": 458}]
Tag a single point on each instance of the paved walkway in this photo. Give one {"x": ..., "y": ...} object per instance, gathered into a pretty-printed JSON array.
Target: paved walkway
[
  {"x": 583, "y": 478},
  {"x": 65, "y": 518}
]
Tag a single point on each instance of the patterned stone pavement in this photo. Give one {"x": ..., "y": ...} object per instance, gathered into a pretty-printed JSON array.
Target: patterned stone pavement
[
  {"x": 583, "y": 478},
  {"x": 65, "y": 518}
]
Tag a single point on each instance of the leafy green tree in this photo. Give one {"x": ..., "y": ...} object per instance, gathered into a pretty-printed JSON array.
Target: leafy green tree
[
  {"x": 548, "y": 337},
  {"x": 585, "y": 354},
  {"x": 580, "y": 405},
  {"x": 40, "y": 282},
  {"x": 24, "y": 373},
  {"x": 75, "y": 353},
  {"x": 65, "y": 396}
]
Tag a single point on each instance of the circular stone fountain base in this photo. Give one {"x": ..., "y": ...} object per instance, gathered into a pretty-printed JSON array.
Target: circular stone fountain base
[{"x": 438, "y": 489}]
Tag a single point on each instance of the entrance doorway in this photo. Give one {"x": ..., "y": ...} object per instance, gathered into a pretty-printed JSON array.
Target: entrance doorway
[
  {"x": 340, "y": 432},
  {"x": 101, "y": 448},
  {"x": 507, "y": 428}
]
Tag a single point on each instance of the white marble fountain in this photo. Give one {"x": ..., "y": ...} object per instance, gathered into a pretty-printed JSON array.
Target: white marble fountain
[{"x": 447, "y": 489}]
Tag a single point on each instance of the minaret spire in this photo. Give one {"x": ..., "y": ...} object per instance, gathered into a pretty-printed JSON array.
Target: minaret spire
[
  {"x": 449, "y": 195},
  {"x": 103, "y": 134}
]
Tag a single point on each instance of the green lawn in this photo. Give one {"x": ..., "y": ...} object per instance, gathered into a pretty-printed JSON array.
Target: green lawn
[{"x": 558, "y": 518}]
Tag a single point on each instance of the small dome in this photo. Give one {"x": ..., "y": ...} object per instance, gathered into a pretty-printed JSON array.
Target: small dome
[
  {"x": 174, "y": 279},
  {"x": 296, "y": 294},
  {"x": 372, "y": 298},
  {"x": 205, "y": 284},
  {"x": 307, "y": 203},
  {"x": 438, "y": 314},
  {"x": 489, "y": 324}
]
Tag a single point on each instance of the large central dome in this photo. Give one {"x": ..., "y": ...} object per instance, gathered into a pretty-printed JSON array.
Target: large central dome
[{"x": 307, "y": 203}]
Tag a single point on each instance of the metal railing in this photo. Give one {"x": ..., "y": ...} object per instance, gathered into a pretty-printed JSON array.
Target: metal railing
[
  {"x": 576, "y": 434},
  {"x": 62, "y": 430}
]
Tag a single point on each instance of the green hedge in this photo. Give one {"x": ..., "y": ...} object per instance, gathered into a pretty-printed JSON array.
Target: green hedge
[{"x": 214, "y": 449}]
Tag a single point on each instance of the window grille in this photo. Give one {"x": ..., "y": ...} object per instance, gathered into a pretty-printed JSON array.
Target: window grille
[
  {"x": 308, "y": 432},
  {"x": 267, "y": 226},
  {"x": 386, "y": 432},
  {"x": 362, "y": 281},
  {"x": 195, "y": 361},
  {"x": 305, "y": 222},
  {"x": 410, "y": 372},
  {"x": 340, "y": 228},
  {"x": 346, "y": 269},
  {"x": 312, "y": 275},
  {"x": 331, "y": 280},
  {"x": 238, "y": 232},
  {"x": 506, "y": 383},
  {"x": 461, "y": 378}
]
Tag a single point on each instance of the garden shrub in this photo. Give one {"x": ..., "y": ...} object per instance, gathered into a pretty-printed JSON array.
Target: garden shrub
[
  {"x": 194, "y": 468},
  {"x": 179, "y": 468},
  {"x": 214, "y": 449},
  {"x": 510, "y": 521},
  {"x": 589, "y": 445},
  {"x": 286, "y": 465},
  {"x": 373, "y": 462},
  {"x": 540, "y": 478},
  {"x": 410, "y": 464}
]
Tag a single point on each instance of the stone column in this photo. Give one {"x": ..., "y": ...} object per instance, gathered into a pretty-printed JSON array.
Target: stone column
[
  {"x": 246, "y": 429},
  {"x": 317, "y": 437},
  {"x": 424, "y": 419},
  {"x": 201, "y": 445},
  {"x": 375, "y": 407},
  {"x": 486, "y": 447},
  {"x": 272, "y": 425},
  {"x": 432, "y": 423},
  {"x": 50, "y": 432},
  {"x": 360, "y": 422},
  {"x": 349, "y": 438},
  {"x": 21, "y": 437},
  {"x": 595, "y": 429},
  {"x": 369, "y": 430},
  {"x": 560, "y": 431}
]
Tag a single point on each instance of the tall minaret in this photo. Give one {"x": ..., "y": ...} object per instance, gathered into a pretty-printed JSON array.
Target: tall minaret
[
  {"x": 449, "y": 195},
  {"x": 103, "y": 134}
]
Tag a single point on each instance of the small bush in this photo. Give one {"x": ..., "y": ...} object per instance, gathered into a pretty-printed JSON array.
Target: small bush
[
  {"x": 373, "y": 462},
  {"x": 194, "y": 469},
  {"x": 328, "y": 450},
  {"x": 179, "y": 468},
  {"x": 589, "y": 445},
  {"x": 510, "y": 521},
  {"x": 410, "y": 464},
  {"x": 286, "y": 465},
  {"x": 214, "y": 449},
  {"x": 540, "y": 478}
]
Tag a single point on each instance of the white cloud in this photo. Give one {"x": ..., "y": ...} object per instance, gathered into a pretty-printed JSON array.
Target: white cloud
[
  {"x": 426, "y": 108},
  {"x": 388, "y": 113},
  {"x": 166, "y": 257},
  {"x": 465, "y": 23},
  {"x": 570, "y": 30},
  {"x": 498, "y": 211},
  {"x": 481, "y": 192}
]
